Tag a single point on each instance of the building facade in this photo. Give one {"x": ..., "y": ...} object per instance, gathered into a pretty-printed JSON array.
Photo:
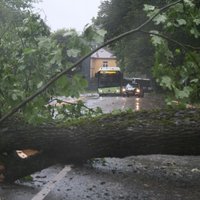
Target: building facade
[
  {"x": 101, "y": 58},
  {"x": 91, "y": 65}
]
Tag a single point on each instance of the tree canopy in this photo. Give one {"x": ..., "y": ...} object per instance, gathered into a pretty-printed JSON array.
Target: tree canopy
[
  {"x": 135, "y": 52},
  {"x": 31, "y": 55},
  {"x": 177, "y": 49},
  {"x": 37, "y": 63},
  {"x": 166, "y": 49}
]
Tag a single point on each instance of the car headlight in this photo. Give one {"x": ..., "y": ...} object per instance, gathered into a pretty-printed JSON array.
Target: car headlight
[
  {"x": 123, "y": 90},
  {"x": 137, "y": 90}
]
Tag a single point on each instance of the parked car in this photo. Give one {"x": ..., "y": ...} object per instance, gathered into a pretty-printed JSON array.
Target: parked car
[{"x": 133, "y": 89}]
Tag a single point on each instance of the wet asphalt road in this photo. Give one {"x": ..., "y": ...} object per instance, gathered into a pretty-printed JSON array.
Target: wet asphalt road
[
  {"x": 109, "y": 104},
  {"x": 154, "y": 177}
]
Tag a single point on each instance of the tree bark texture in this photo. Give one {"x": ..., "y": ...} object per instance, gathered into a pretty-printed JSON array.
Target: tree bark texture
[{"x": 174, "y": 132}]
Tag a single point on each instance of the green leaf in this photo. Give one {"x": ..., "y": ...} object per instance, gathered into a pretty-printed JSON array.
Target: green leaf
[
  {"x": 83, "y": 82},
  {"x": 29, "y": 51},
  {"x": 181, "y": 22},
  {"x": 160, "y": 19},
  {"x": 197, "y": 21},
  {"x": 194, "y": 80},
  {"x": 101, "y": 32},
  {"x": 57, "y": 57},
  {"x": 40, "y": 84},
  {"x": 177, "y": 51},
  {"x": 73, "y": 52},
  {"x": 98, "y": 39},
  {"x": 185, "y": 93},
  {"x": 14, "y": 97},
  {"x": 189, "y": 3},
  {"x": 148, "y": 7},
  {"x": 195, "y": 32},
  {"x": 178, "y": 8},
  {"x": 21, "y": 67},
  {"x": 166, "y": 81},
  {"x": 156, "y": 40},
  {"x": 44, "y": 42},
  {"x": 69, "y": 33},
  {"x": 62, "y": 86},
  {"x": 169, "y": 24}
]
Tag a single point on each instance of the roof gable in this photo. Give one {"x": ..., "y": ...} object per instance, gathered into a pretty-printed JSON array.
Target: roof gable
[{"x": 102, "y": 53}]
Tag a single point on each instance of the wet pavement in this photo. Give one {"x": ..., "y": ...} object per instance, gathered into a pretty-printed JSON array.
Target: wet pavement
[
  {"x": 153, "y": 177},
  {"x": 114, "y": 103}
]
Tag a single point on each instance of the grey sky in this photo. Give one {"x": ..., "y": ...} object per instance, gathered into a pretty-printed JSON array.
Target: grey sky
[{"x": 68, "y": 13}]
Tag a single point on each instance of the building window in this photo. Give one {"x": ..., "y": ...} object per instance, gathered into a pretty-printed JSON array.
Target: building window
[{"x": 105, "y": 63}]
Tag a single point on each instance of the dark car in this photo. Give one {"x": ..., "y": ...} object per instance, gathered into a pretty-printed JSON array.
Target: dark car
[{"x": 133, "y": 89}]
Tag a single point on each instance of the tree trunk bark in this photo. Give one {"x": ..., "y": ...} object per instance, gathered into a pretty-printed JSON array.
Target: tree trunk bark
[{"x": 174, "y": 132}]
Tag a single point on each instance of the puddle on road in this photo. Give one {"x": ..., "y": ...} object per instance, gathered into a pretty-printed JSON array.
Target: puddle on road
[{"x": 110, "y": 103}]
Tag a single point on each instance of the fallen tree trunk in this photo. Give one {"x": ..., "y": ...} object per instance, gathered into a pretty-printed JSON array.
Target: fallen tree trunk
[{"x": 174, "y": 132}]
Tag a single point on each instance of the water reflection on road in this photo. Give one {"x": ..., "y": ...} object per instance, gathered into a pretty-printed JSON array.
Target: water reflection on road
[
  {"x": 137, "y": 104},
  {"x": 110, "y": 103}
]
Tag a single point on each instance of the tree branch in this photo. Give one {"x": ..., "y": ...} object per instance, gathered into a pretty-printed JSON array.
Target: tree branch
[
  {"x": 165, "y": 131},
  {"x": 72, "y": 68},
  {"x": 184, "y": 46},
  {"x": 70, "y": 103}
]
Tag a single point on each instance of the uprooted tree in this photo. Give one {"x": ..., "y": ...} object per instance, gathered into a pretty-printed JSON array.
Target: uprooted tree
[
  {"x": 153, "y": 132},
  {"x": 174, "y": 132}
]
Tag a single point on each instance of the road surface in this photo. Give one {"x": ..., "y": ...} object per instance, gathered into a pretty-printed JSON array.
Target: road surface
[{"x": 115, "y": 103}]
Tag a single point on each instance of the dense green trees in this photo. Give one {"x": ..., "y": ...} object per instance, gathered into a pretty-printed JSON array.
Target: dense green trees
[
  {"x": 167, "y": 49},
  {"x": 31, "y": 55},
  {"x": 20, "y": 56},
  {"x": 177, "y": 49},
  {"x": 135, "y": 52}
]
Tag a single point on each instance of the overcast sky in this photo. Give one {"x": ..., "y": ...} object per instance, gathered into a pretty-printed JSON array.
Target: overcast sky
[{"x": 68, "y": 13}]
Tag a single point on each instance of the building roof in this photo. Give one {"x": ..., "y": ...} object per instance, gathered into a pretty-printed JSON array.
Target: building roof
[{"x": 102, "y": 53}]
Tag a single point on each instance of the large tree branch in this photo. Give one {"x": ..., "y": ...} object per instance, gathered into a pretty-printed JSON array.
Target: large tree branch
[
  {"x": 16, "y": 167},
  {"x": 174, "y": 132},
  {"x": 56, "y": 77},
  {"x": 107, "y": 128}
]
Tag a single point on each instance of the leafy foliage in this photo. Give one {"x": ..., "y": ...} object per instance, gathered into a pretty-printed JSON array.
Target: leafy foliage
[
  {"x": 31, "y": 55},
  {"x": 67, "y": 111},
  {"x": 177, "y": 67},
  {"x": 176, "y": 64},
  {"x": 135, "y": 52}
]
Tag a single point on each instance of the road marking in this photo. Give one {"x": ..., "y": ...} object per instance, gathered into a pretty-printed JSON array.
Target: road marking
[{"x": 51, "y": 184}]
